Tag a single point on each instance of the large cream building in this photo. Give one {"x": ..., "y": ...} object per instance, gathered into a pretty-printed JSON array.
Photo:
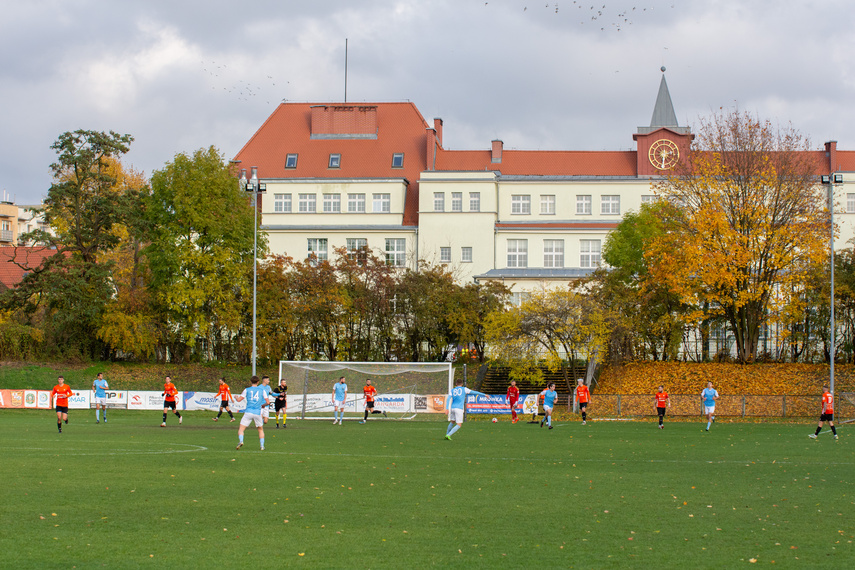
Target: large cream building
[{"x": 377, "y": 176}]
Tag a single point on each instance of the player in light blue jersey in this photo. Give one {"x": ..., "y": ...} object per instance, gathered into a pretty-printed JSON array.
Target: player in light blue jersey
[
  {"x": 256, "y": 398},
  {"x": 549, "y": 397},
  {"x": 268, "y": 393},
  {"x": 100, "y": 386},
  {"x": 455, "y": 403},
  {"x": 708, "y": 397},
  {"x": 339, "y": 396}
]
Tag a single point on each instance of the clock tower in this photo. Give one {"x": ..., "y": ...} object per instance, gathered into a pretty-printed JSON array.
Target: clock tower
[{"x": 664, "y": 143}]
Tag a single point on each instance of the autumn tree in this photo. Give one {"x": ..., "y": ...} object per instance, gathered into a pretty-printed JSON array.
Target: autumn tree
[
  {"x": 747, "y": 224},
  {"x": 469, "y": 308},
  {"x": 423, "y": 302}
]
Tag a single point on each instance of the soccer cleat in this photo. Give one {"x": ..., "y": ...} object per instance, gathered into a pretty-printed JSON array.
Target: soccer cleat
[
  {"x": 541, "y": 424},
  {"x": 448, "y": 437},
  {"x": 105, "y": 420},
  {"x": 231, "y": 420},
  {"x": 97, "y": 422},
  {"x": 277, "y": 426},
  {"x": 362, "y": 421},
  {"x": 835, "y": 436},
  {"x": 584, "y": 422},
  {"x": 216, "y": 419},
  {"x": 550, "y": 427},
  {"x": 262, "y": 449},
  {"x": 706, "y": 429},
  {"x": 661, "y": 426},
  {"x": 239, "y": 445},
  {"x": 163, "y": 424},
  {"x": 181, "y": 419},
  {"x": 812, "y": 436}
]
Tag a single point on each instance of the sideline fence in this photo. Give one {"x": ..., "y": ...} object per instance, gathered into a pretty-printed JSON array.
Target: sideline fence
[{"x": 761, "y": 406}]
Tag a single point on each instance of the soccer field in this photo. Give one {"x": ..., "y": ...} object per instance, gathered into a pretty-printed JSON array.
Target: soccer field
[{"x": 392, "y": 494}]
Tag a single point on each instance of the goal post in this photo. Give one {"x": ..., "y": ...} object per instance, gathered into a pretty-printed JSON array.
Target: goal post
[{"x": 405, "y": 390}]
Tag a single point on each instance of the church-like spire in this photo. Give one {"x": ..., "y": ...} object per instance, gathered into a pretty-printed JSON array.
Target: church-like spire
[{"x": 663, "y": 112}]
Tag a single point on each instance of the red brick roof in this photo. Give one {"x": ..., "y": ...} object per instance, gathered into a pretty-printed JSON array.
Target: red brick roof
[{"x": 10, "y": 273}]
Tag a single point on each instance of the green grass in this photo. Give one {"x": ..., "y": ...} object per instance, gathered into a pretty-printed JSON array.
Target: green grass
[{"x": 397, "y": 495}]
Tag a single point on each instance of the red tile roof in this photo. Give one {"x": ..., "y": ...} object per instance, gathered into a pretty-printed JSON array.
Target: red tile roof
[
  {"x": 10, "y": 273},
  {"x": 542, "y": 162}
]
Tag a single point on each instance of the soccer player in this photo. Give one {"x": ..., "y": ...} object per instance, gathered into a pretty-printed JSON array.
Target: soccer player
[
  {"x": 62, "y": 391},
  {"x": 513, "y": 395},
  {"x": 281, "y": 402},
  {"x": 455, "y": 403},
  {"x": 339, "y": 396},
  {"x": 268, "y": 394},
  {"x": 827, "y": 413},
  {"x": 583, "y": 396},
  {"x": 549, "y": 397},
  {"x": 708, "y": 397},
  {"x": 99, "y": 385},
  {"x": 256, "y": 399},
  {"x": 370, "y": 393},
  {"x": 225, "y": 396},
  {"x": 662, "y": 401},
  {"x": 169, "y": 393}
]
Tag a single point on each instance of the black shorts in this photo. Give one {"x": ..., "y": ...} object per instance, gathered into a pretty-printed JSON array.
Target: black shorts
[
  {"x": 279, "y": 404},
  {"x": 583, "y": 405},
  {"x": 826, "y": 418},
  {"x": 224, "y": 403},
  {"x": 369, "y": 404},
  {"x": 661, "y": 411},
  {"x": 63, "y": 409},
  {"x": 168, "y": 404}
]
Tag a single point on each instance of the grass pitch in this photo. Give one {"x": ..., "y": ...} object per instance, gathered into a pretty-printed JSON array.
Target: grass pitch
[{"x": 394, "y": 494}]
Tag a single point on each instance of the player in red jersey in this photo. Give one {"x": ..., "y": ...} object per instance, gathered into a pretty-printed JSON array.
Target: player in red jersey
[
  {"x": 827, "y": 413},
  {"x": 62, "y": 391},
  {"x": 662, "y": 401},
  {"x": 583, "y": 396},
  {"x": 169, "y": 393},
  {"x": 513, "y": 395},
  {"x": 370, "y": 392},
  {"x": 225, "y": 396}
]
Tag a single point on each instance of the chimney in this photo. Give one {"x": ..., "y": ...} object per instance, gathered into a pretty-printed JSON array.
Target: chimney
[
  {"x": 497, "y": 152},
  {"x": 437, "y": 126},
  {"x": 831, "y": 155},
  {"x": 430, "y": 149}
]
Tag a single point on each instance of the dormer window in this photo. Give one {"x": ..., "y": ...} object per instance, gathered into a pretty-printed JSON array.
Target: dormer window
[
  {"x": 291, "y": 161},
  {"x": 335, "y": 161},
  {"x": 398, "y": 160}
]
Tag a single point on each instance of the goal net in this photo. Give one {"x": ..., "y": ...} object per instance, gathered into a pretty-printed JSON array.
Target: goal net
[{"x": 404, "y": 389}]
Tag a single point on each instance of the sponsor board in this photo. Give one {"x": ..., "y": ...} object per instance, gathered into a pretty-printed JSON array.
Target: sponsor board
[
  {"x": 204, "y": 401},
  {"x": 11, "y": 398},
  {"x": 79, "y": 400},
  {"x": 43, "y": 401},
  {"x": 321, "y": 403},
  {"x": 115, "y": 399},
  {"x": 431, "y": 404},
  {"x": 393, "y": 403},
  {"x": 31, "y": 398},
  {"x": 496, "y": 405},
  {"x": 529, "y": 404},
  {"x": 145, "y": 400}
]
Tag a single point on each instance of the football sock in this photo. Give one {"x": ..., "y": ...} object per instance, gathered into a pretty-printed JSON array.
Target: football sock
[
  {"x": 708, "y": 425},
  {"x": 178, "y": 414},
  {"x": 262, "y": 443},
  {"x": 448, "y": 429},
  {"x": 59, "y": 426},
  {"x": 660, "y": 420},
  {"x": 164, "y": 417},
  {"x": 833, "y": 430},
  {"x": 365, "y": 417},
  {"x": 220, "y": 414},
  {"x": 549, "y": 421},
  {"x": 66, "y": 422},
  {"x": 584, "y": 416},
  {"x": 98, "y": 415},
  {"x": 240, "y": 438},
  {"x": 818, "y": 429},
  {"x": 231, "y": 415},
  {"x": 454, "y": 429}
]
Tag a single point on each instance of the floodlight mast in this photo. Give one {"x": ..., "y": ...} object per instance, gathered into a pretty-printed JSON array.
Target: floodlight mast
[
  {"x": 253, "y": 186},
  {"x": 830, "y": 182}
]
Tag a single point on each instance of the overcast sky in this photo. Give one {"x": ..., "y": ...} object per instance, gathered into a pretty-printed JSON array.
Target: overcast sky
[{"x": 180, "y": 75}]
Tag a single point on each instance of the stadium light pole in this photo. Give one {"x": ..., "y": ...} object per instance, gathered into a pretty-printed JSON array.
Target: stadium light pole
[
  {"x": 255, "y": 187},
  {"x": 830, "y": 182}
]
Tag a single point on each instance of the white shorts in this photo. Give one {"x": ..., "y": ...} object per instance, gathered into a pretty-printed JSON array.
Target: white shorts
[
  {"x": 265, "y": 412},
  {"x": 709, "y": 409},
  {"x": 249, "y": 418},
  {"x": 338, "y": 403},
  {"x": 455, "y": 415},
  {"x": 547, "y": 410},
  {"x": 102, "y": 400}
]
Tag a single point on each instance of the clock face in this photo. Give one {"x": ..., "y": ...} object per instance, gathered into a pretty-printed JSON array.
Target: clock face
[{"x": 663, "y": 154}]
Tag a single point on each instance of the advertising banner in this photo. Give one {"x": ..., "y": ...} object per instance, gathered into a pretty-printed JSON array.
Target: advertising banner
[
  {"x": 320, "y": 403},
  {"x": 43, "y": 401},
  {"x": 393, "y": 403},
  {"x": 145, "y": 400},
  {"x": 529, "y": 404},
  {"x": 431, "y": 404},
  {"x": 204, "y": 401},
  {"x": 11, "y": 398},
  {"x": 79, "y": 400},
  {"x": 115, "y": 399},
  {"x": 31, "y": 398},
  {"x": 496, "y": 405}
]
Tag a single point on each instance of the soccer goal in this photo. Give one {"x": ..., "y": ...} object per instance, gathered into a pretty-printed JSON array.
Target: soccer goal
[{"x": 405, "y": 390}]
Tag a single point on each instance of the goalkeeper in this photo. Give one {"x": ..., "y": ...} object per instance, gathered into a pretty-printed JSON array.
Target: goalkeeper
[{"x": 280, "y": 403}]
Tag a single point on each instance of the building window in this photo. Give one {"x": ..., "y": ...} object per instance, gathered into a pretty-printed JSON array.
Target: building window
[
  {"x": 335, "y": 160},
  {"x": 519, "y": 298},
  {"x": 439, "y": 201},
  {"x": 291, "y": 161},
  {"x": 357, "y": 248},
  {"x": 396, "y": 251},
  {"x": 318, "y": 246},
  {"x": 332, "y": 202},
  {"x": 547, "y": 205},
  {"x": 457, "y": 201},
  {"x": 850, "y": 203},
  {"x": 308, "y": 203},
  {"x": 517, "y": 253},
  {"x": 610, "y": 205},
  {"x": 282, "y": 202},
  {"x": 590, "y": 253},
  {"x": 445, "y": 255},
  {"x": 474, "y": 201},
  {"x": 648, "y": 198},
  {"x": 382, "y": 202},
  {"x": 398, "y": 160},
  {"x": 356, "y": 203},
  {"x": 583, "y": 205},
  {"x": 520, "y": 204},
  {"x": 466, "y": 254},
  {"x": 553, "y": 253}
]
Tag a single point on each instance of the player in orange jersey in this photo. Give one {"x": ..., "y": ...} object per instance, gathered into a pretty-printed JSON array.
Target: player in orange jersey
[
  {"x": 583, "y": 396},
  {"x": 62, "y": 391},
  {"x": 662, "y": 401},
  {"x": 169, "y": 393},
  {"x": 827, "y": 413},
  {"x": 370, "y": 392},
  {"x": 225, "y": 396},
  {"x": 513, "y": 395}
]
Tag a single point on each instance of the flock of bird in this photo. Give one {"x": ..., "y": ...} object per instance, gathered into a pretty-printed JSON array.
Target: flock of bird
[
  {"x": 597, "y": 13},
  {"x": 242, "y": 90}
]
